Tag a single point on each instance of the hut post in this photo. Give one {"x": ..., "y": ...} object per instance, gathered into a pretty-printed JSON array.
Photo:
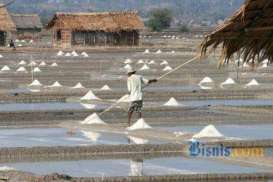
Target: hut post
[
  {"x": 133, "y": 38},
  {"x": 105, "y": 39}
]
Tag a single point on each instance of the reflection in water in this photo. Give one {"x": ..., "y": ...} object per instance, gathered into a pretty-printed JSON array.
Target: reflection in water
[{"x": 136, "y": 166}]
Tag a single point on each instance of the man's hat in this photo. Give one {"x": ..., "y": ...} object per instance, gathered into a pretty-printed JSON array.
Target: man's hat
[{"x": 130, "y": 70}]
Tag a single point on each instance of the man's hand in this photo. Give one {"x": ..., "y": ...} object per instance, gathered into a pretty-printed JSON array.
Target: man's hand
[{"x": 152, "y": 81}]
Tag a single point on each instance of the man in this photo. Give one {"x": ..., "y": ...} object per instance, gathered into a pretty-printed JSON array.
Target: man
[
  {"x": 135, "y": 85},
  {"x": 12, "y": 44}
]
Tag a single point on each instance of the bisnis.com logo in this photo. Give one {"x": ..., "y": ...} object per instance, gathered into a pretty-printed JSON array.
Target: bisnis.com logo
[{"x": 198, "y": 149}]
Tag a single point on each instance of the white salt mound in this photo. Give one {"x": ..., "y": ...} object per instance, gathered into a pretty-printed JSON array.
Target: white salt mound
[
  {"x": 173, "y": 52},
  {"x": 21, "y": 69},
  {"x": 172, "y": 102},
  {"x": 93, "y": 136},
  {"x": 84, "y": 54},
  {"x": 56, "y": 84},
  {"x": 144, "y": 67},
  {"x": 22, "y": 62},
  {"x": 139, "y": 125},
  {"x": 6, "y": 168},
  {"x": 5, "y": 68},
  {"x": 90, "y": 96},
  {"x": 128, "y": 61},
  {"x": 208, "y": 132},
  {"x": 264, "y": 65},
  {"x": 245, "y": 65},
  {"x": 128, "y": 67},
  {"x": 158, "y": 51},
  {"x": 93, "y": 119},
  {"x": 164, "y": 62},
  {"x": 229, "y": 81},
  {"x": 140, "y": 61},
  {"x": 147, "y": 51},
  {"x": 252, "y": 83},
  {"x": 68, "y": 54},
  {"x": 1, "y": 56},
  {"x": 54, "y": 64},
  {"x": 35, "y": 83},
  {"x": 167, "y": 68},
  {"x": 152, "y": 62},
  {"x": 32, "y": 63},
  {"x": 42, "y": 63},
  {"x": 105, "y": 88},
  {"x": 206, "y": 80},
  {"x": 74, "y": 53},
  {"x": 36, "y": 70},
  {"x": 266, "y": 61},
  {"x": 60, "y": 53},
  {"x": 205, "y": 87},
  {"x": 78, "y": 86},
  {"x": 139, "y": 141}
]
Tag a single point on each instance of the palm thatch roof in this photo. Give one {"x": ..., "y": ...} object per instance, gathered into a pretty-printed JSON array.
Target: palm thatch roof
[
  {"x": 104, "y": 21},
  {"x": 6, "y": 23},
  {"x": 27, "y": 21},
  {"x": 249, "y": 32}
]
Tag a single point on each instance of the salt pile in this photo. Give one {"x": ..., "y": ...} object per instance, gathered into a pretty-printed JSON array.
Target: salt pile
[
  {"x": 172, "y": 102},
  {"x": 167, "y": 68},
  {"x": 54, "y": 64},
  {"x": 245, "y": 65},
  {"x": 140, "y": 61},
  {"x": 128, "y": 61},
  {"x": 93, "y": 136},
  {"x": 164, "y": 62},
  {"x": 32, "y": 63},
  {"x": 23, "y": 41},
  {"x": 42, "y": 63},
  {"x": 93, "y": 119},
  {"x": 5, "y": 68},
  {"x": 36, "y": 70},
  {"x": 173, "y": 52},
  {"x": 205, "y": 87},
  {"x": 31, "y": 41},
  {"x": 21, "y": 69},
  {"x": 78, "y": 86},
  {"x": 229, "y": 81},
  {"x": 35, "y": 83},
  {"x": 17, "y": 40},
  {"x": 147, "y": 51},
  {"x": 144, "y": 67},
  {"x": 206, "y": 80},
  {"x": 19, "y": 45},
  {"x": 74, "y": 53},
  {"x": 105, "y": 88},
  {"x": 266, "y": 61},
  {"x": 208, "y": 132},
  {"x": 56, "y": 84},
  {"x": 60, "y": 53},
  {"x": 158, "y": 51},
  {"x": 68, "y": 54},
  {"x": 152, "y": 62},
  {"x": 84, "y": 54},
  {"x": 138, "y": 141},
  {"x": 1, "y": 56},
  {"x": 139, "y": 125},
  {"x": 6, "y": 168},
  {"x": 90, "y": 96},
  {"x": 253, "y": 82},
  {"x": 128, "y": 67},
  {"x": 22, "y": 62},
  {"x": 264, "y": 66}
]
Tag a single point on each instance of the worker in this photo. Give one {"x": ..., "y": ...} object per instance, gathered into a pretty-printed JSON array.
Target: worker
[
  {"x": 12, "y": 44},
  {"x": 135, "y": 85}
]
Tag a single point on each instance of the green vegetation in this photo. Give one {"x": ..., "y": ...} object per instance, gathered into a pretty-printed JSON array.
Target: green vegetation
[
  {"x": 184, "y": 28},
  {"x": 159, "y": 19}
]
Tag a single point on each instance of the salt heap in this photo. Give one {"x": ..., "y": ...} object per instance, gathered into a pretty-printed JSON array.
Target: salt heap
[
  {"x": 139, "y": 125},
  {"x": 93, "y": 136},
  {"x": 35, "y": 83},
  {"x": 140, "y": 61},
  {"x": 245, "y": 65},
  {"x": 32, "y": 63},
  {"x": 253, "y": 82},
  {"x": 208, "y": 132},
  {"x": 93, "y": 119},
  {"x": 78, "y": 86},
  {"x": 56, "y": 84},
  {"x": 42, "y": 63},
  {"x": 84, "y": 54},
  {"x": 68, "y": 54},
  {"x": 6, "y": 168},
  {"x": 147, "y": 51},
  {"x": 229, "y": 81},
  {"x": 37, "y": 70},
  {"x": 1, "y": 56},
  {"x": 74, "y": 53},
  {"x": 22, "y": 63},
  {"x": 144, "y": 67},
  {"x": 158, "y": 51},
  {"x": 266, "y": 61},
  {"x": 127, "y": 67},
  {"x": 90, "y": 96},
  {"x": 164, "y": 62},
  {"x": 60, "y": 53},
  {"x": 172, "y": 102},
  {"x": 173, "y": 52},
  {"x": 127, "y": 61},
  {"x": 138, "y": 141},
  {"x": 152, "y": 62},
  {"x": 264, "y": 65},
  {"x": 167, "y": 68},
  {"x": 21, "y": 69},
  {"x": 5, "y": 68},
  {"x": 105, "y": 88},
  {"x": 206, "y": 80},
  {"x": 54, "y": 64}
]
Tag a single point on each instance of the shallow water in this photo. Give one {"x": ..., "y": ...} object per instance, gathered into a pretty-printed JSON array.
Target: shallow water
[
  {"x": 33, "y": 137},
  {"x": 137, "y": 167}
]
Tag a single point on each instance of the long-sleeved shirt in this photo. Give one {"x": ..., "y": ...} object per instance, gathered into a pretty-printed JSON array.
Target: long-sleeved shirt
[{"x": 135, "y": 84}]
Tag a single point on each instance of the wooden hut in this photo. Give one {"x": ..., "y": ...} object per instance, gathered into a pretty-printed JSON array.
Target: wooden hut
[
  {"x": 28, "y": 26},
  {"x": 7, "y": 27},
  {"x": 95, "y": 29},
  {"x": 249, "y": 33}
]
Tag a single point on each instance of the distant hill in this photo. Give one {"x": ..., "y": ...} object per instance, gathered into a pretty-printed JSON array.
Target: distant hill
[{"x": 184, "y": 10}]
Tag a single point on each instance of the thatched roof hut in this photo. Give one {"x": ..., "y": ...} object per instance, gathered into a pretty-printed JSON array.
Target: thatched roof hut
[
  {"x": 248, "y": 32},
  {"x": 6, "y": 23},
  {"x": 103, "y": 21},
  {"x": 27, "y": 21}
]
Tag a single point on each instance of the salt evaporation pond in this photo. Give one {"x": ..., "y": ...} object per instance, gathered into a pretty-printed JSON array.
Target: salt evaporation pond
[
  {"x": 157, "y": 166},
  {"x": 48, "y": 107},
  {"x": 47, "y": 137},
  {"x": 257, "y": 132}
]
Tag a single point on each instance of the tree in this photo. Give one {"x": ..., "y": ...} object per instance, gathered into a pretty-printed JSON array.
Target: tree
[
  {"x": 7, "y": 4},
  {"x": 159, "y": 19},
  {"x": 184, "y": 28}
]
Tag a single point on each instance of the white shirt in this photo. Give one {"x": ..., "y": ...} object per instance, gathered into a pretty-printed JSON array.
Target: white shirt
[{"x": 135, "y": 84}]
